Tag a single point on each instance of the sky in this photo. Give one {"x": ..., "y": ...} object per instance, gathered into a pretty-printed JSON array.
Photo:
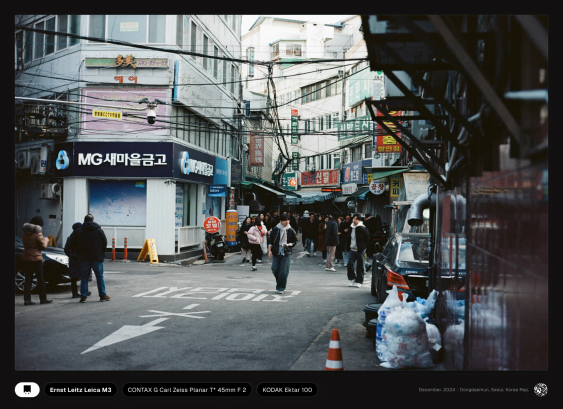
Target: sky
[{"x": 248, "y": 20}]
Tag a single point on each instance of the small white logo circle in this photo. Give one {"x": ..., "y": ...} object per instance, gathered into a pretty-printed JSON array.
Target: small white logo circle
[{"x": 540, "y": 389}]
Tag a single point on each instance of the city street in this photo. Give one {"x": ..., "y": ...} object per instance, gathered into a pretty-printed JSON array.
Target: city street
[{"x": 218, "y": 316}]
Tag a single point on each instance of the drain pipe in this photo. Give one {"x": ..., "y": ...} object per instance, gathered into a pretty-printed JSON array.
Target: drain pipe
[{"x": 422, "y": 202}]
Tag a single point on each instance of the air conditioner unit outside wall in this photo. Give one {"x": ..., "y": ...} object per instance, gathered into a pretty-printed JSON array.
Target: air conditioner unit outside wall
[{"x": 50, "y": 190}]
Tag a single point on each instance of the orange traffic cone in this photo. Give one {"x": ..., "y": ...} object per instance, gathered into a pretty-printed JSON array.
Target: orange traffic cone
[{"x": 334, "y": 359}]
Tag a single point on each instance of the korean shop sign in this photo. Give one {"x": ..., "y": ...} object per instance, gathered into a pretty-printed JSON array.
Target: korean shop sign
[
  {"x": 377, "y": 187},
  {"x": 387, "y": 144},
  {"x": 256, "y": 150},
  {"x": 294, "y": 127},
  {"x": 384, "y": 143},
  {"x": 294, "y": 160},
  {"x": 289, "y": 181},
  {"x": 355, "y": 127},
  {"x": 320, "y": 178},
  {"x": 354, "y": 173},
  {"x": 394, "y": 185},
  {"x": 123, "y": 60},
  {"x": 133, "y": 159},
  {"x": 360, "y": 87}
]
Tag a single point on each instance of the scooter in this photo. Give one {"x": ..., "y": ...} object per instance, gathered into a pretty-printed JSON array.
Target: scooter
[{"x": 215, "y": 245}]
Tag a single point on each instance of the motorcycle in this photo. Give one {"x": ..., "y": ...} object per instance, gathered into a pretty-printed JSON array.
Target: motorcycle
[
  {"x": 216, "y": 245},
  {"x": 380, "y": 238}
]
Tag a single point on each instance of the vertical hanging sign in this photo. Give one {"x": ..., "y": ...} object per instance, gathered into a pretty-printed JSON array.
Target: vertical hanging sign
[
  {"x": 295, "y": 161},
  {"x": 294, "y": 127},
  {"x": 395, "y": 185},
  {"x": 256, "y": 150}
]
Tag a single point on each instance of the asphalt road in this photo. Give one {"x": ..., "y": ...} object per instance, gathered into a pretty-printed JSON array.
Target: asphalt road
[{"x": 211, "y": 317}]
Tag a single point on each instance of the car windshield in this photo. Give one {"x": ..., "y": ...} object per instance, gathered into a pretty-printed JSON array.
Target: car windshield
[{"x": 414, "y": 249}]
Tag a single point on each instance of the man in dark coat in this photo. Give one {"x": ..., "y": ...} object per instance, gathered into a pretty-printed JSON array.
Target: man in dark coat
[
  {"x": 311, "y": 228},
  {"x": 357, "y": 242},
  {"x": 301, "y": 224},
  {"x": 331, "y": 242},
  {"x": 90, "y": 242},
  {"x": 293, "y": 224},
  {"x": 73, "y": 263},
  {"x": 344, "y": 230}
]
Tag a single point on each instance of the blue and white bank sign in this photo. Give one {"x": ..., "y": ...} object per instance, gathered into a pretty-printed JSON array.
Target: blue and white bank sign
[{"x": 62, "y": 160}]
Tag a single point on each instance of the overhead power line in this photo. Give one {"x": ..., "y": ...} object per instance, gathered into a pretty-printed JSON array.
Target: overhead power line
[{"x": 172, "y": 51}]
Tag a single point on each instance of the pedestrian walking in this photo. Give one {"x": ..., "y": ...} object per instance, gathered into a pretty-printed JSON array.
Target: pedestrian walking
[
  {"x": 90, "y": 243},
  {"x": 331, "y": 242},
  {"x": 293, "y": 223},
  {"x": 255, "y": 239},
  {"x": 312, "y": 231},
  {"x": 282, "y": 239},
  {"x": 344, "y": 230},
  {"x": 357, "y": 242},
  {"x": 322, "y": 236},
  {"x": 301, "y": 224},
  {"x": 268, "y": 221},
  {"x": 244, "y": 244},
  {"x": 74, "y": 270},
  {"x": 32, "y": 259},
  {"x": 338, "y": 253},
  {"x": 264, "y": 245}
]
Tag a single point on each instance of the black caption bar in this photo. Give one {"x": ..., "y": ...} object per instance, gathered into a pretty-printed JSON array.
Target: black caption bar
[
  {"x": 176, "y": 390},
  {"x": 86, "y": 389},
  {"x": 281, "y": 389}
]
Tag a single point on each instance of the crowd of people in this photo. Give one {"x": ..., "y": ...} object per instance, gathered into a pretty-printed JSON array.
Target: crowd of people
[{"x": 344, "y": 239}]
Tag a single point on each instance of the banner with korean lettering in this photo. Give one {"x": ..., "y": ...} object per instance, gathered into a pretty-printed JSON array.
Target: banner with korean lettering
[
  {"x": 384, "y": 143},
  {"x": 320, "y": 178},
  {"x": 294, "y": 127},
  {"x": 294, "y": 160},
  {"x": 395, "y": 185},
  {"x": 256, "y": 150}
]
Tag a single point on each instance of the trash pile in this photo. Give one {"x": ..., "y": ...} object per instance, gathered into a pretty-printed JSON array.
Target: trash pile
[{"x": 404, "y": 337}]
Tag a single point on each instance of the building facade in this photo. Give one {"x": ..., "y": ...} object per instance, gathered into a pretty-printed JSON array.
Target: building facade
[{"x": 139, "y": 179}]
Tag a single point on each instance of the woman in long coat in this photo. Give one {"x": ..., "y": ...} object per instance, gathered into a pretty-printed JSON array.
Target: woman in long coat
[
  {"x": 32, "y": 259},
  {"x": 322, "y": 236},
  {"x": 244, "y": 244},
  {"x": 73, "y": 264}
]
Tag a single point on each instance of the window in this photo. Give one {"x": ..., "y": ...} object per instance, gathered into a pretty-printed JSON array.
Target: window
[
  {"x": 157, "y": 29},
  {"x": 225, "y": 73},
  {"x": 234, "y": 23},
  {"x": 39, "y": 41},
  {"x": 194, "y": 39},
  {"x": 50, "y": 38},
  {"x": 327, "y": 122},
  {"x": 335, "y": 118},
  {"x": 62, "y": 41},
  {"x": 28, "y": 46},
  {"x": 130, "y": 28},
  {"x": 97, "y": 26},
  {"x": 293, "y": 49},
  {"x": 233, "y": 79},
  {"x": 219, "y": 67},
  {"x": 320, "y": 123},
  {"x": 356, "y": 153},
  {"x": 336, "y": 160},
  {"x": 74, "y": 28},
  {"x": 367, "y": 151},
  {"x": 275, "y": 50},
  {"x": 346, "y": 156},
  {"x": 215, "y": 62},
  {"x": 180, "y": 31},
  {"x": 322, "y": 162},
  {"x": 205, "y": 43}
]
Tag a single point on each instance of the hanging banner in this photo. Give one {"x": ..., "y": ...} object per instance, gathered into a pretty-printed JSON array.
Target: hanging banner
[
  {"x": 294, "y": 127},
  {"x": 295, "y": 161},
  {"x": 232, "y": 227},
  {"x": 256, "y": 150},
  {"x": 320, "y": 178}
]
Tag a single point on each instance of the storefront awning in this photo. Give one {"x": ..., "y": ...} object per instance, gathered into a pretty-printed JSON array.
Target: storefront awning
[
  {"x": 359, "y": 194},
  {"x": 250, "y": 185},
  {"x": 311, "y": 197},
  {"x": 378, "y": 174}
]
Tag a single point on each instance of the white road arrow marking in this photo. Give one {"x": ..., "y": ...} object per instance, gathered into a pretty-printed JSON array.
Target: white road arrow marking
[{"x": 127, "y": 332}]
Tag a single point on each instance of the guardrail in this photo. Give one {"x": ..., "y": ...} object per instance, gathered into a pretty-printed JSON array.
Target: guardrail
[{"x": 189, "y": 236}]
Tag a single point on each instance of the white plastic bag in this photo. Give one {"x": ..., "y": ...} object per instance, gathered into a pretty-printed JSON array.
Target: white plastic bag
[
  {"x": 434, "y": 337},
  {"x": 407, "y": 340},
  {"x": 391, "y": 302}
]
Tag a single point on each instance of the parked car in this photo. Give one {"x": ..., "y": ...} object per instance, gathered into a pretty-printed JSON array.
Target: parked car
[
  {"x": 404, "y": 262},
  {"x": 55, "y": 267}
]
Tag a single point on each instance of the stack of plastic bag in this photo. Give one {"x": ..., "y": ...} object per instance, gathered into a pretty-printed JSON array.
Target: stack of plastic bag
[
  {"x": 407, "y": 340},
  {"x": 389, "y": 305},
  {"x": 424, "y": 306},
  {"x": 434, "y": 339}
]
